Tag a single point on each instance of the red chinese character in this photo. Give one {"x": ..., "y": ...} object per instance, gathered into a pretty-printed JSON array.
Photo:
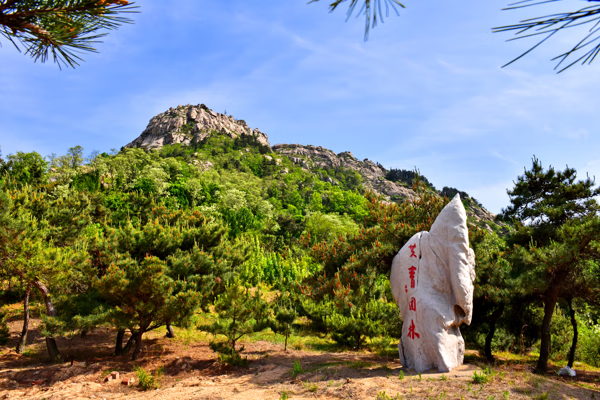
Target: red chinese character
[
  {"x": 411, "y": 330},
  {"x": 406, "y": 288},
  {"x": 413, "y": 304},
  {"x": 412, "y": 248},
  {"x": 411, "y": 273}
]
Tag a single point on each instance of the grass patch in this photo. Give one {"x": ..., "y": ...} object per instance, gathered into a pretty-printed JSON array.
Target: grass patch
[
  {"x": 149, "y": 381},
  {"x": 383, "y": 396},
  {"x": 485, "y": 376},
  {"x": 296, "y": 369},
  {"x": 350, "y": 364},
  {"x": 299, "y": 340},
  {"x": 311, "y": 387}
]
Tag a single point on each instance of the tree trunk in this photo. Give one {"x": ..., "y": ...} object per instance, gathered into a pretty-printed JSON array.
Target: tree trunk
[
  {"x": 286, "y": 337},
  {"x": 170, "y": 331},
  {"x": 550, "y": 300},
  {"x": 575, "y": 333},
  {"x": 50, "y": 341},
  {"x": 488, "y": 339},
  {"x": 119, "y": 344},
  {"x": 23, "y": 337},
  {"x": 53, "y": 350},
  {"x": 138, "y": 344},
  {"x": 129, "y": 344}
]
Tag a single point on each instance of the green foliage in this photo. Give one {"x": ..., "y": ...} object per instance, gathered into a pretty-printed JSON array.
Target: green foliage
[
  {"x": 384, "y": 230},
  {"x": 88, "y": 181},
  {"x": 327, "y": 227},
  {"x": 228, "y": 355},
  {"x": 351, "y": 297},
  {"x": 383, "y": 396},
  {"x": 450, "y": 192},
  {"x": 561, "y": 335},
  {"x": 4, "y": 331},
  {"x": 589, "y": 341},
  {"x": 144, "y": 294},
  {"x": 408, "y": 177},
  {"x": 296, "y": 369},
  {"x": 273, "y": 268},
  {"x": 163, "y": 270},
  {"x": 25, "y": 168},
  {"x": 357, "y": 309},
  {"x": 146, "y": 380},
  {"x": 284, "y": 309},
  {"x": 239, "y": 312},
  {"x": 311, "y": 387},
  {"x": 556, "y": 227},
  {"x": 481, "y": 378},
  {"x": 139, "y": 239}
]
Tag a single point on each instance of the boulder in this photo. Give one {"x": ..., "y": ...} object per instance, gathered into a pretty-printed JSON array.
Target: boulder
[{"x": 432, "y": 283}]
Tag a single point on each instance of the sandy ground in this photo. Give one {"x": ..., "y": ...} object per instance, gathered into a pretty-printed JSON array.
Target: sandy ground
[{"x": 191, "y": 371}]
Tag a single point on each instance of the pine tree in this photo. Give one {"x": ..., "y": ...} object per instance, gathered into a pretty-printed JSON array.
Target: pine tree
[
  {"x": 556, "y": 224},
  {"x": 144, "y": 296},
  {"x": 239, "y": 313},
  {"x": 44, "y": 250},
  {"x": 285, "y": 312},
  {"x": 46, "y": 267},
  {"x": 360, "y": 307},
  {"x": 160, "y": 272},
  {"x": 495, "y": 289}
]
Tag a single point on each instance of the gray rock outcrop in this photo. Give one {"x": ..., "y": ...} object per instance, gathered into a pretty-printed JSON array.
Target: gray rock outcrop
[
  {"x": 373, "y": 175},
  {"x": 185, "y": 124},
  {"x": 432, "y": 282}
]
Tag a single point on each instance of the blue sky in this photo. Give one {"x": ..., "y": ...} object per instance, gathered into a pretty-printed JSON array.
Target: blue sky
[{"x": 426, "y": 90}]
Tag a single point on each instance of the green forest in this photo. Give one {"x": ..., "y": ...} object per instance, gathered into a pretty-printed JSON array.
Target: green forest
[{"x": 245, "y": 241}]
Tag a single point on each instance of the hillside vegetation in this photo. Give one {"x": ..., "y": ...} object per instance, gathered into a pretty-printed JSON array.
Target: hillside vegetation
[{"x": 224, "y": 234}]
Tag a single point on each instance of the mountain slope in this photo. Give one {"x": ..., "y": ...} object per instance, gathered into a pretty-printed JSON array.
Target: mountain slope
[{"x": 192, "y": 125}]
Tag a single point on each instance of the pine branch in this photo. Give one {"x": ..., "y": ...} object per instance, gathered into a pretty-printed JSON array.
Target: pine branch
[
  {"x": 552, "y": 24},
  {"x": 60, "y": 29},
  {"x": 371, "y": 9}
]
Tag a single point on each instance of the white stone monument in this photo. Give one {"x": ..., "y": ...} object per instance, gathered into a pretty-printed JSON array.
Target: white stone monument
[{"x": 432, "y": 283}]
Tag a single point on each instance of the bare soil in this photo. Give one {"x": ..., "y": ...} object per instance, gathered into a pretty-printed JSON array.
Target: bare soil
[{"x": 192, "y": 371}]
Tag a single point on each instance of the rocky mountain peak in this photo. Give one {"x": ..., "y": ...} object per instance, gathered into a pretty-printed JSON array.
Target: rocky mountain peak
[{"x": 184, "y": 124}]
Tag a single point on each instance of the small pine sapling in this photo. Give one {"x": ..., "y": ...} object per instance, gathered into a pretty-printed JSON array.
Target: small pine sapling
[
  {"x": 239, "y": 312},
  {"x": 285, "y": 315}
]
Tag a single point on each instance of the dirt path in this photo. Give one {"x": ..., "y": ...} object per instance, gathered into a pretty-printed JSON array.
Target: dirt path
[{"x": 192, "y": 372}]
